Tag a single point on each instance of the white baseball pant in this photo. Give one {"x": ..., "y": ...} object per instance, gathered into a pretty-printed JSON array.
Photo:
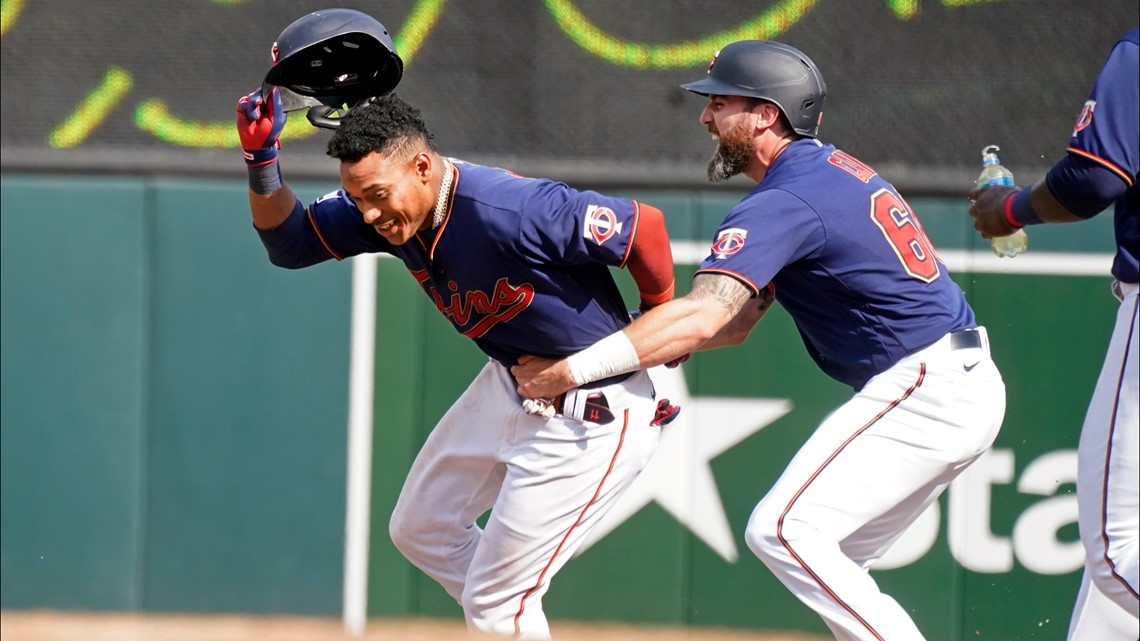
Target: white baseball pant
[
  {"x": 546, "y": 481},
  {"x": 1096, "y": 618},
  {"x": 1108, "y": 481},
  {"x": 866, "y": 474}
]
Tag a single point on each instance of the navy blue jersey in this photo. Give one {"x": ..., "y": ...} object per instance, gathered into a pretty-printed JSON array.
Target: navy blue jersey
[
  {"x": 1108, "y": 132},
  {"x": 519, "y": 265},
  {"x": 848, "y": 258}
]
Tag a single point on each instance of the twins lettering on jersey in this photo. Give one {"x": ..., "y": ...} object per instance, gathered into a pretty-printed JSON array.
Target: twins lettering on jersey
[
  {"x": 728, "y": 242},
  {"x": 475, "y": 312},
  {"x": 1084, "y": 119},
  {"x": 601, "y": 224}
]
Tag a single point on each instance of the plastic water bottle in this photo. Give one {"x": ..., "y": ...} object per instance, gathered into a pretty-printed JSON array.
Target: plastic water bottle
[{"x": 993, "y": 173}]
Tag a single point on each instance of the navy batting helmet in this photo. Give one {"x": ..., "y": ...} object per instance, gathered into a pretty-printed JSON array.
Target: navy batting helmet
[
  {"x": 335, "y": 57},
  {"x": 772, "y": 71}
]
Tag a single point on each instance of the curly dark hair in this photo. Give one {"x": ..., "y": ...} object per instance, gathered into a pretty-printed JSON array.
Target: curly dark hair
[{"x": 386, "y": 124}]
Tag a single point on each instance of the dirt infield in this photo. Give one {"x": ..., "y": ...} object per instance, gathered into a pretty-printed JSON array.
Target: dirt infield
[{"x": 71, "y": 626}]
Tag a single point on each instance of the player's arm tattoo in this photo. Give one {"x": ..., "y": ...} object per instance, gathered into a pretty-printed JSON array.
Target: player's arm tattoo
[{"x": 722, "y": 290}]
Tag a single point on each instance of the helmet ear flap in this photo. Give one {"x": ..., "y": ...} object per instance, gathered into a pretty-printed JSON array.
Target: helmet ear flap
[{"x": 328, "y": 116}]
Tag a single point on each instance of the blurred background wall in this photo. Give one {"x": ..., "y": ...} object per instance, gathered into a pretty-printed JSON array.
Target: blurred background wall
[
  {"x": 174, "y": 408},
  {"x": 584, "y": 89}
]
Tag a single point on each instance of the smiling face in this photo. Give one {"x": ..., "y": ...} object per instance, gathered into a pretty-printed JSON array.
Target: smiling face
[{"x": 393, "y": 192}]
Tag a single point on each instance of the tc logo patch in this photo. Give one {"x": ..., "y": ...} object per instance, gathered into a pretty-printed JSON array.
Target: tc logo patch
[
  {"x": 1084, "y": 119},
  {"x": 728, "y": 242},
  {"x": 601, "y": 224}
]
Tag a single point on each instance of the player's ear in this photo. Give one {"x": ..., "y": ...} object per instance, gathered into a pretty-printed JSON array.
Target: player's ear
[
  {"x": 423, "y": 166},
  {"x": 769, "y": 115}
]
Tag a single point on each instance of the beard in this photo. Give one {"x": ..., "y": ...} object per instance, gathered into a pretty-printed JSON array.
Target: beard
[{"x": 731, "y": 156}]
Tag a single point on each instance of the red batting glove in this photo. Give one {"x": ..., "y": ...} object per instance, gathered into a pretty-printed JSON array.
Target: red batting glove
[
  {"x": 665, "y": 413},
  {"x": 259, "y": 129}
]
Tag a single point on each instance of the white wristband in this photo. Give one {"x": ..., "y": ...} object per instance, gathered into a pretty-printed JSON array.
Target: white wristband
[{"x": 612, "y": 355}]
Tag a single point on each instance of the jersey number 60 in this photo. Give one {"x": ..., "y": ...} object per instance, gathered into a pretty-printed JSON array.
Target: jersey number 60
[{"x": 904, "y": 234}]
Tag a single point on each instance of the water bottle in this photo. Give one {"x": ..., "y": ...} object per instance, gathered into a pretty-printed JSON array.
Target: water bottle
[{"x": 993, "y": 173}]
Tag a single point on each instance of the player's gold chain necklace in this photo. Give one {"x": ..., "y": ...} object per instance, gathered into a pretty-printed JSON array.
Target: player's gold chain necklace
[{"x": 444, "y": 190}]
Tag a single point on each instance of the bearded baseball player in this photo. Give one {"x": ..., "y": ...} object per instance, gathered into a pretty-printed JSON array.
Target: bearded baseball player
[
  {"x": 520, "y": 266},
  {"x": 1099, "y": 170},
  {"x": 848, "y": 260}
]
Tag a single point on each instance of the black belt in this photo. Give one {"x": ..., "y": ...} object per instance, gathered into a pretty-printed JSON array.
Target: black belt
[
  {"x": 965, "y": 339},
  {"x": 607, "y": 381}
]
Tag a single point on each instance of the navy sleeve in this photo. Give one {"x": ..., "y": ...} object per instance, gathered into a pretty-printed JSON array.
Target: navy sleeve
[
  {"x": 339, "y": 226},
  {"x": 760, "y": 236},
  {"x": 1084, "y": 186},
  {"x": 564, "y": 226},
  {"x": 1108, "y": 128},
  {"x": 294, "y": 243},
  {"x": 331, "y": 227}
]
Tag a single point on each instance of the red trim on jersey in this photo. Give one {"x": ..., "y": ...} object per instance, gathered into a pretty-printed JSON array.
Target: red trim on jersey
[
  {"x": 744, "y": 281},
  {"x": 633, "y": 232},
  {"x": 780, "y": 521},
  {"x": 541, "y": 575},
  {"x": 649, "y": 257},
  {"x": 313, "y": 222},
  {"x": 1116, "y": 170},
  {"x": 447, "y": 213},
  {"x": 1108, "y": 459}
]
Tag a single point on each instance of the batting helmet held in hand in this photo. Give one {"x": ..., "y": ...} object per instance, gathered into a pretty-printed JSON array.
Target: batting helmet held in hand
[
  {"x": 771, "y": 71},
  {"x": 337, "y": 57}
]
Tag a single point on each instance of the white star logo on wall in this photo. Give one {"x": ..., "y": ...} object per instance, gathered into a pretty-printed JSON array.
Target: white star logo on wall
[{"x": 678, "y": 476}]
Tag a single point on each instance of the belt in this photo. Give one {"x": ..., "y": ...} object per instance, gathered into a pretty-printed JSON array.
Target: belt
[
  {"x": 965, "y": 339},
  {"x": 607, "y": 381}
]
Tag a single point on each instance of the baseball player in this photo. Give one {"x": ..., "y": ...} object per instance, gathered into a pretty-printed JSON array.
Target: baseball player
[
  {"x": 519, "y": 265},
  {"x": 847, "y": 258},
  {"x": 1100, "y": 169}
]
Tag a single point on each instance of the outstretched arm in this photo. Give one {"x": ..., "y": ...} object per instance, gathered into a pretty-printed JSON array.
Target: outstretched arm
[
  {"x": 687, "y": 324},
  {"x": 1075, "y": 189},
  {"x": 737, "y": 330},
  {"x": 662, "y": 334},
  {"x": 993, "y": 213}
]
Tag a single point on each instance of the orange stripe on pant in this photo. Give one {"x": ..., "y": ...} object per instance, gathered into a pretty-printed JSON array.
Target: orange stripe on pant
[
  {"x": 780, "y": 521},
  {"x": 1108, "y": 464},
  {"x": 581, "y": 515}
]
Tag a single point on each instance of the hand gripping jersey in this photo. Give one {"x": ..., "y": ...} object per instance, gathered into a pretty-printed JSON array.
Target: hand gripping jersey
[
  {"x": 519, "y": 265},
  {"x": 1108, "y": 132},
  {"x": 850, "y": 261}
]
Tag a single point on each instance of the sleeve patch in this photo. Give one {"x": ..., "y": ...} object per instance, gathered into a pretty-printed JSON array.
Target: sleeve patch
[
  {"x": 1084, "y": 119},
  {"x": 601, "y": 224},
  {"x": 728, "y": 242}
]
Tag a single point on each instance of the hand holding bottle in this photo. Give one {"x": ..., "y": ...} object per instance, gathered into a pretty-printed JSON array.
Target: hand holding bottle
[{"x": 991, "y": 196}]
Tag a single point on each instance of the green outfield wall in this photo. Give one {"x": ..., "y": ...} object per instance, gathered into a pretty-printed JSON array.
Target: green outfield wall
[
  {"x": 174, "y": 410},
  {"x": 173, "y": 406}
]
